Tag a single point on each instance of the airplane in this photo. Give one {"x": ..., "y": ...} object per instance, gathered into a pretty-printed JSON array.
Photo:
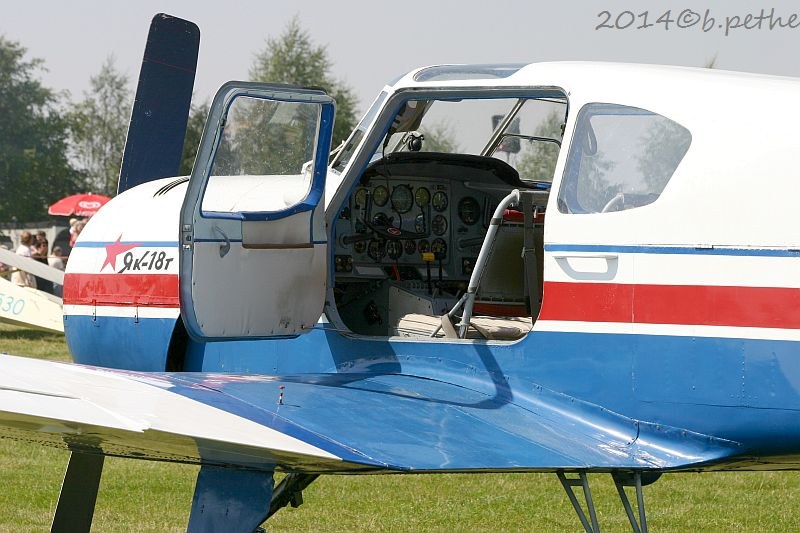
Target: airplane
[
  {"x": 26, "y": 306},
  {"x": 550, "y": 267}
]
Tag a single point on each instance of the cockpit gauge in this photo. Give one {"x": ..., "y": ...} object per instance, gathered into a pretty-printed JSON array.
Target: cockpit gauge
[
  {"x": 376, "y": 249},
  {"x": 409, "y": 247},
  {"x": 423, "y": 246},
  {"x": 419, "y": 224},
  {"x": 439, "y": 225},
  {"x": 380, "y": 195},
  {"x": 422, "y": 197},
  {"x": 402, "y": 198},
  {"x": 439, "y": 247},
  {"x": 469, "y": 210},
  {"x": 380, "y": 219},
  {"x": 394, "y": 249},
  {"x": 361, "y": 198},
  {"x": 439, "y": 201}
]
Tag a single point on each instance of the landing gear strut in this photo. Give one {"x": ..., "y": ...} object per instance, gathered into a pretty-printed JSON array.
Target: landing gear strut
[
  {"x": 290, "y": 491},
  {"x": 621, "y": 480}
]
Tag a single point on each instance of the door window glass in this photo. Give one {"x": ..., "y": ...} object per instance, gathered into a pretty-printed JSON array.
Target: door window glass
[
  {"x": 620, "y": 158},
  {"x": 264, "y": 159}
]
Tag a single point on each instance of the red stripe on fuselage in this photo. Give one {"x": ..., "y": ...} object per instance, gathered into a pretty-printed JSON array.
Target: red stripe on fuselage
[
  {"x": 764, "y": 307},
  {"x": 759, "y": 307},
  {"x": 145, "y": 290},
  {"x": 587, "y": 302}
]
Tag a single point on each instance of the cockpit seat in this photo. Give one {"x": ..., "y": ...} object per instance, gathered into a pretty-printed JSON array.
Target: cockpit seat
[{"x": 481, "y": 327}]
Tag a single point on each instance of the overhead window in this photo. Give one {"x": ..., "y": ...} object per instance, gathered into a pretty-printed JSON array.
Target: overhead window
[{"x": 620, "y": 158}]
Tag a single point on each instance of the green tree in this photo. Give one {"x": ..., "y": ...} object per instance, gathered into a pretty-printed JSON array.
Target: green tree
[
  {"x": 34, "y": 166},
  {"x": 595, "y": 188},
  {"x": 538, "y": 158},
  {"x": 99, "y": 124},
  {"x": 266, "y": 137},
  {"x": 194, "y": 132},
  {"x": 663, "y": 145},
  {"x": 440, "y": 137},
  {"x": 293, "y": 58}
]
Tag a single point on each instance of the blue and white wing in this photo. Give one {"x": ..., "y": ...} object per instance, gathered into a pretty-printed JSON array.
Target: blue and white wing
[{"x": 329, "y": 422}]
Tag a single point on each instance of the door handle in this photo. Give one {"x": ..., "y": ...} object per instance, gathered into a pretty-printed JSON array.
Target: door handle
[
  {"x": 225, "y": 247},
  {"x": 589, "y": 266}
]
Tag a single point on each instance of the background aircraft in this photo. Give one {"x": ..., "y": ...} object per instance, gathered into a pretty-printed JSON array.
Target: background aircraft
[{"x": 247, "y": 381}]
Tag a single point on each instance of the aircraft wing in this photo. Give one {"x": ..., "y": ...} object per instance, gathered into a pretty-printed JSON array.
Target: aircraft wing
[
  {"x": 342, "y": 422},
  {"x": 24, "y": 306}
]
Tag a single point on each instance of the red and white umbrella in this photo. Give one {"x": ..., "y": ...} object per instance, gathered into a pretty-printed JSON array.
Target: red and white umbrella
[{"x": 81, "y": 205}]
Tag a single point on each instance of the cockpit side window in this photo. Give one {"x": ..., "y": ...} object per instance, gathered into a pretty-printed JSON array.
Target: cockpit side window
[{"x": 620, "y": 158}]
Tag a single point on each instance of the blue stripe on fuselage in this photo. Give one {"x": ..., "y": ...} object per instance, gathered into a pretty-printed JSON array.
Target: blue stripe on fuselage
[
  {"x": 674, "y": 250},
  {"x": 145, "y": 244}
]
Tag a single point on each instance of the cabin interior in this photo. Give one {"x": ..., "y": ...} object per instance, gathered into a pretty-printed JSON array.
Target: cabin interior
[{"x": 409, "y": 237}]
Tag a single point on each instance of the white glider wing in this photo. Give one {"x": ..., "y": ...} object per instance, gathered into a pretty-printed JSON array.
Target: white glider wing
[
  {"x": 30, "y": 265},
  {"x": 24, "y": 306}
]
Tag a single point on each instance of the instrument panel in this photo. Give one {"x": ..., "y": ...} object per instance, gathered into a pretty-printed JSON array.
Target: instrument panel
[
  {"x": 407, "y": 221},
  {"x": 408, "y": 237}
]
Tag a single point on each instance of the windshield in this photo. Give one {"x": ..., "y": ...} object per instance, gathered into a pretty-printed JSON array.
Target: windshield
[{"x": 524, "y": 132}]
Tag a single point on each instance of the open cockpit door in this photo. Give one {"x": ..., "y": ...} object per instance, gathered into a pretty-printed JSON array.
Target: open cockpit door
[{"x": 253, "y": 243}]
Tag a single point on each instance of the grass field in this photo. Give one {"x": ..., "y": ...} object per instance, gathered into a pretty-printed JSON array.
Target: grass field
[{"x": 146, "y": 496}]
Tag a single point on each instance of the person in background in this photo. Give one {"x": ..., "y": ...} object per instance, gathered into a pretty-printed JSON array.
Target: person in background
[
  {"x": 20, "y": 277},
  {"x": 56, "y": 260},
  {"x": 40, "y": 248},
  {"x": 72, "y": 233},
  {"x": 78, "y": 229},
  {"x": 5, "y": 270}
]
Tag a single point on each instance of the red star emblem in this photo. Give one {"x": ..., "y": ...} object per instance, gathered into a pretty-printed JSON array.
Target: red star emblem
[{"x": 114, "y": 249}]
